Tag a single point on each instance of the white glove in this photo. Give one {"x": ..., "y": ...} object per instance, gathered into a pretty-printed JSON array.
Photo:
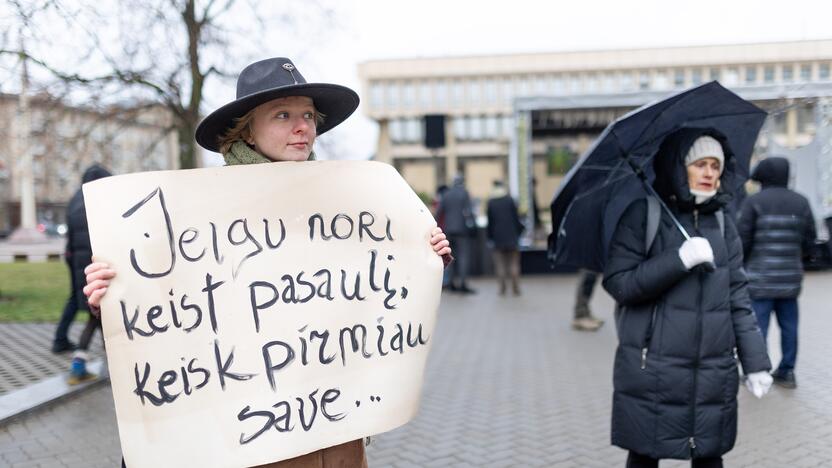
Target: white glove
[
  {"x": 758, "y": 383},
  {"x": 695, "y": 251}
]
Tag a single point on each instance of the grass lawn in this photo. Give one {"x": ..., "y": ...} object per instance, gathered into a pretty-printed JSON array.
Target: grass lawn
[{"x": 33, "y": 292}]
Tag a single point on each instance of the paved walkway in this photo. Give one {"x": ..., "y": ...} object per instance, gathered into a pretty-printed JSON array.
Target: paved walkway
[{"x": 509, "y": 384}]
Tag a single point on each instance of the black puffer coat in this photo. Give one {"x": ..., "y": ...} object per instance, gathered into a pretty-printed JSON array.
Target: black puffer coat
[
  {"x": 78, "y": 251},
  {"x": 681, "y": 333},
  {"x": 776, "y": 227}
]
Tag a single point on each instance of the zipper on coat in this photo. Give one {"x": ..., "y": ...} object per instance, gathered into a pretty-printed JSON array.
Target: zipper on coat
[
  {"x": 648, "y": 337},
  {"x": 696, "y": 363}
]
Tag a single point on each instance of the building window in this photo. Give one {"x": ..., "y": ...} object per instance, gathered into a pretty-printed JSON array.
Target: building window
[
  {"x": 660, "y": 80},
  {"x": 625, "y": 81},
  {"x": 413, "y": 130},
  {"x": 408, "y": 95},
  {"x": 376, "y": 95},
  {"x": 508, "y": 90},
  {"x": 474, "y": 92},
  {"x": 751, "y": 75},
  {"x": 788, "y": 73},
  {"x": 679, "y": 78},
  {"x": 440, "y": 93},
  {"x": 592, "y": 83},
  {"x": 424, "y": 95},
  {"x": 768, "y": 74},
  {"x": 574, "y": 84},
  {"x": 714, "y": 74},
  {"x": 608, "y": 83},
  {"x": 805, "y": 72},
  {"x": 696, "y": 76},
  {"x": 460, "y": 128},
  {"x": 643, "y": 80},
  {"x": 558, "y": 87},
  {"x": 823, "y": 71},
  {"x": 540, "y": 85},
  {"x": 491, "y": 130},
  {"x": 507, "y": 127},
  {"x": 475, "y": 129},
  {"x": 732, "y": 77},
  {"x": 491, "y": 91},
  {"x": 396, "y": 130},
  {"x": 457, "y": 93},
  {"x": 523, "y": 87},
  {"x": 392, "y": 96}
]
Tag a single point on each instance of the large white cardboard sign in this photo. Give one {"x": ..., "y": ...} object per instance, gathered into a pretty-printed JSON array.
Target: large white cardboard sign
[{"x": 262, "y": 312}]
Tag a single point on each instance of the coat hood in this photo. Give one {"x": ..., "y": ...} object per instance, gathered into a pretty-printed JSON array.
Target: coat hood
[
  {"x": 94, "y": 172},
  {"x": 772, "y": 172},
  {"x": 671, "y": 174}
]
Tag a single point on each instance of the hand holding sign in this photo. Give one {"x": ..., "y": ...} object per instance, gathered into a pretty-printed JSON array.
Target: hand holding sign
[{"x": 295, "y": 316}]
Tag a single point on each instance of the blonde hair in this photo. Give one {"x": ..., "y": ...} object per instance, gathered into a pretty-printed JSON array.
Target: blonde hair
[{"x": 241, "y": 130}]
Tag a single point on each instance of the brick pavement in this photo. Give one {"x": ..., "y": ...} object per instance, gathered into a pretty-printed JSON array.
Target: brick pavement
[
  {"x": 26, "y": 356},
  {"x": 510, "y": 384}
]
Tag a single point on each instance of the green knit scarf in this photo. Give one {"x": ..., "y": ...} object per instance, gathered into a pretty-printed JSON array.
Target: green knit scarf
[{"x": 241, "y": 153}]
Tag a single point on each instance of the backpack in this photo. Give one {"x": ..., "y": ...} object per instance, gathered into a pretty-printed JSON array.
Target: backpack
[{"x": 654, "y": 215}]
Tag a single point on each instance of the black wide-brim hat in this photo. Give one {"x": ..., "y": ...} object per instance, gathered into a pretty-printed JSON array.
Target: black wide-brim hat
[{"x": 270, "y": 79}]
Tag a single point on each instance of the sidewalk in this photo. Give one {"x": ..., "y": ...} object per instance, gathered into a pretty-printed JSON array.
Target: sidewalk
[{"x": 509, "y": 383}]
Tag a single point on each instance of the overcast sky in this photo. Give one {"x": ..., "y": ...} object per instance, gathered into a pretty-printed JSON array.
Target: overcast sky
[{"x": 377, "y": 29}]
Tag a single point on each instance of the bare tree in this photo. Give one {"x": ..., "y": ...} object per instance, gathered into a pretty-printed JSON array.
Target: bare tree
[{"x": 137, "y": 52}]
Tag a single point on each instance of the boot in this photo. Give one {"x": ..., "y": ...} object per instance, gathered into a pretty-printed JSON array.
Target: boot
[
  {"x": 587, "y": 324},
  {"x": 78, "y": 370}
]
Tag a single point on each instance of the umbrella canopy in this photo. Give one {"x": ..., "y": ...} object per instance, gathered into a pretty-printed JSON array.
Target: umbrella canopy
[{"x": 618, "y": 167}]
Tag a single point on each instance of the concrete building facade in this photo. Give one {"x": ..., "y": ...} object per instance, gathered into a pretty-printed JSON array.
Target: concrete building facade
[
  {"x": 564, "y": 100},
  {"x": 63, "y": 141}
]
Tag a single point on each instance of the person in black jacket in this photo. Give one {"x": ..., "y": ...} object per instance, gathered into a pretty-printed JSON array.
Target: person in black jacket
[
  {"x": 777, "y": 228},
  {"x": 504, "y": 229},
  {"x": 78, "y": 255},
  {"x": 683, "y": 314}
]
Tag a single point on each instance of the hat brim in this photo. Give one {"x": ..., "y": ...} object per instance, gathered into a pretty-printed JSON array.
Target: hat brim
[{"x": 334, "y": 101}]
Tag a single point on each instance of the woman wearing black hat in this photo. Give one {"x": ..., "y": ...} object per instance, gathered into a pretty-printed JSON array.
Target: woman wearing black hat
[{"x": 276, "y": 117}]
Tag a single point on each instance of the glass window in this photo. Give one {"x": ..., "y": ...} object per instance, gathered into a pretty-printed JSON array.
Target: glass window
[
  {"x": 475, "y": 128},
  {"x": 732, "y": 77},
  {"x": 574, "y": 84},
  {"x": 558, "y": 86},
  {"x": 376, "y": 95},
  {"x": 440, "y": 93},
  {"x": 460, "y": 128},
  {"x": 643, "y": 80},
  {"x": 392, "y": 96},
  {"x": 424, "y": 95},
  {"x": 491, "y": 91},
  {"x": 523, "y": 87},
  {"x": 507, "y": 128},
  {"x": 408, "y": 95},
  {"x": 396, "y": 131},
  {"x": 592, "y": 83},
  {"x": 660, "y": 80},
  {"x": 768, "y": 74},
  {"x": 474, "y": 92},
  {"x": 715, "y": 74},
  {"x": 508, "y": 90},
  {"x": 457, "y": 93},
  {"x": 413, "y": 130},
  {"x": 751, "y": 75},
  {"x": 823, "y": 71},
  {"x": 679, "y": 78},
  {"x": 788, "y": 73},
  {"x": 625, "y": 81},
  {"x": 696, "y": 76},
  {"x": 491, "y": 127},
  {"x": 805, "y": 72},
  {"x": 608, "y": 83},
  {"x": 539, "y": 85}
]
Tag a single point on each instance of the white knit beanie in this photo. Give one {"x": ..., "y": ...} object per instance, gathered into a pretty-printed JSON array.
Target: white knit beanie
[{"x": 705, "y": 147}]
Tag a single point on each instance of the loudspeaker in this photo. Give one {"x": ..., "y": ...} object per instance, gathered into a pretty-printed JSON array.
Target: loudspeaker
[{"x": 434, "y": 131}]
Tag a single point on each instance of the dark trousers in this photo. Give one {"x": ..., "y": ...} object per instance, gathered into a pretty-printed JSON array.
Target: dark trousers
[
  {"x": 585, "y": 287},
  {"x": 460, "y": 245},
  {"x": 786, "y": 312},
  {"x": 68, "y": 315},
  {"x": 635, "y": 460}
]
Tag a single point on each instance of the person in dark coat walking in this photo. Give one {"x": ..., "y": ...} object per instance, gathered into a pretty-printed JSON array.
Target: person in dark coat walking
[
  {"x": 78, "y": 255},
  {"x": 455, "y": 209},
  {"x": 504, "y": 229},
  {"x": 683, "y": 314},
  {"x": 777, "y": 228}
]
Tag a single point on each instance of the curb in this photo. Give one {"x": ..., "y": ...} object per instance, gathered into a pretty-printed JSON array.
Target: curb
[{"x": 21, "y": 402}]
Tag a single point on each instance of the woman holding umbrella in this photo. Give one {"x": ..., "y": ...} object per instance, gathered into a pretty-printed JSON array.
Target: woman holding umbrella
[{"x": 684, "y": 317}]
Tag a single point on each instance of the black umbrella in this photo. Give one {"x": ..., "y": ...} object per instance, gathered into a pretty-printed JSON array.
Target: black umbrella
[{"x": 617, "y": 169}]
